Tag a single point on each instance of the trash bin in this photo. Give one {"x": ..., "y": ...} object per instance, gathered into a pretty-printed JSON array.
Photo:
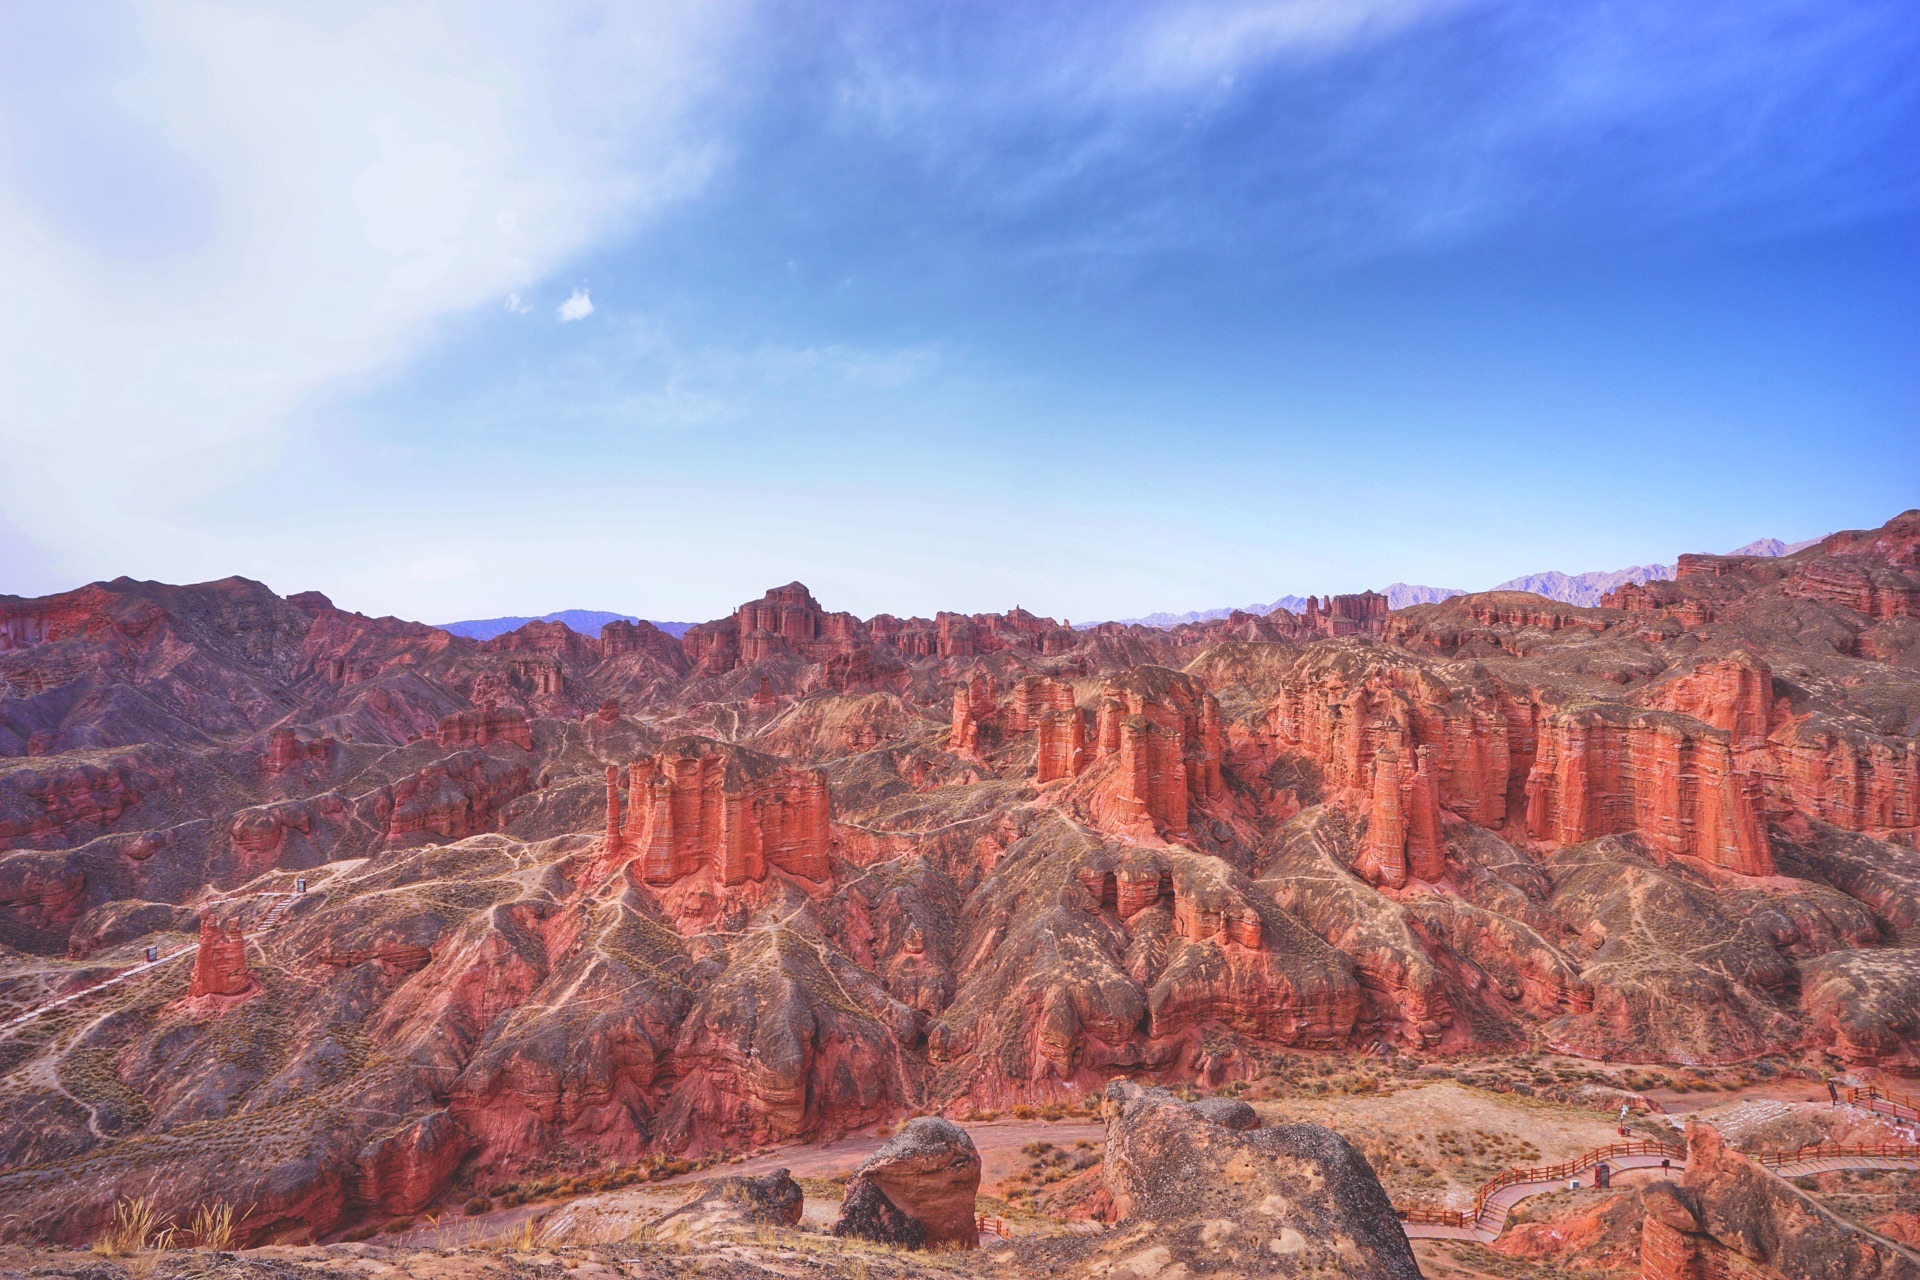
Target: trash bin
[{"x": 153, "y": 954}]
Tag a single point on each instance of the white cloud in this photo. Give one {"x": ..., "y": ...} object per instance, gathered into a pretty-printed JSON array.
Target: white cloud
[
  {"x": 210, "y": 213},
  {"x": 1203, "y": 40},
  {"x": 518, "y": 305},
  {"x": 578, "y": 306}
]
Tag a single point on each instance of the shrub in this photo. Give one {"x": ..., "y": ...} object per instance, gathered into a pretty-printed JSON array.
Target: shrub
[
  {"x": 478, "y": 1205},
  {"x": 396, "y": 1225}
]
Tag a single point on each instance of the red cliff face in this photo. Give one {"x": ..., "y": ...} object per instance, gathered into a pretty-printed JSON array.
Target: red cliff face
[
  {"x": 700, "y": 803},
  {"x": 1341, "y": 704},
  {"x": 1383, "y": 859},
  {"x": 1063, "y": 744},
  {"x": 1607, "y": 770},
  {"x": 459, "y": 796},
  {"x": 1734, "y": 695},
  {"x": 487, "y": 725},
  {"x": 1860, "y": 781},
  {"x": 220, "y": 962}
]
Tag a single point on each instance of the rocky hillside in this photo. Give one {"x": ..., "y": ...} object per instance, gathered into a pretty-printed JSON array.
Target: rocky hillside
[{"x": 576, "y": 902}]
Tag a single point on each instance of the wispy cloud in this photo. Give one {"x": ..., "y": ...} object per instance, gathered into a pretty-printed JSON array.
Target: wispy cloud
[
  {"x": 578, "y": 306},
  {"x": 211, "y": 212}
]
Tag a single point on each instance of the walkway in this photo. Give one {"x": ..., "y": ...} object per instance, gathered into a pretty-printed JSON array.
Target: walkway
[{"x": 1488, "y": 1218}]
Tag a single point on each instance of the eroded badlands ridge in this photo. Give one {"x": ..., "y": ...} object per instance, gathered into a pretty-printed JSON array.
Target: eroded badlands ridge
[{"x": 575, "y": 901}]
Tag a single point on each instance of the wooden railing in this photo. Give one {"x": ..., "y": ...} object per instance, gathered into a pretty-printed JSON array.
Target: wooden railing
[
  {"x": 1541, "y": 1173},
  {"x": 1886, "y": 1101},
  {"x": 1838, "y": 1151}
]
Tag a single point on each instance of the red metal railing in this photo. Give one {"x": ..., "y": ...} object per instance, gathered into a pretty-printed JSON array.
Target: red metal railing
[
  {"x": 1885, "y": 1101},
  {"x": 1542, "y": 1173},
  {"x": 1838, "y": 1151}
]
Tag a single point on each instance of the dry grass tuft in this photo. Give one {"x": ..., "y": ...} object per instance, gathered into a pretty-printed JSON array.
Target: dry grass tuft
[
  {"x": 137, "y": 1226},
  {"x": 213, "y": 1227}
]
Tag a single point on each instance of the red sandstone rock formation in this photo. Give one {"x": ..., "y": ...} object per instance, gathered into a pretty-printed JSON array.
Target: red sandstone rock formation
[
  {"x": 452, "y": 798},
  {"x": 1383, "y": 859},
  {"x": 285, "y": 750},
  {"x": 1403, "y": 822},
  {"x": 1342, "y": 702},
  {"x": 1728, "y": 1216},
  {"x": 1159, "y": 744},
  {"x": 486, "y": 725},
  {"x": 928, "y": 1174},
  {"x": 972, "y": 704},
  {"x": 1734, "y": 694},
  {"x": 220, "y": 963},
  {"x": 1605, "y": 770},
  {"x": 700, "y": 803},
  {"x": 1034, "y": 958},
  {"x": 1063, "y": 745}
]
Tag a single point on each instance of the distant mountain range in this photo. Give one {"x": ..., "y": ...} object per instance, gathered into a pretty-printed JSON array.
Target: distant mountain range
[
  {"x": 1583, "y": 589},
  {"x": 1578, "y": 588},
  {"x": 585, "y": 621}
]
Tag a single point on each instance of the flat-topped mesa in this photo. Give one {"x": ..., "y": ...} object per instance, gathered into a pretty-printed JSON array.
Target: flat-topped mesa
[
  {"x": 220, "y": 961},
  {"x": 1363, "y": 614},
  {"x": 1161, "y": 729},
  {"x": 1608, "y": 769},
  {"x": 785, "y": 622},
  {"x": 701, "y": 803},
  {"x": 485, "y": 725}
]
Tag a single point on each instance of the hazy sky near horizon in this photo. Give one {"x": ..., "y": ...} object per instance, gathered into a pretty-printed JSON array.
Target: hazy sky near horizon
[{"x": 461, "y": 310}]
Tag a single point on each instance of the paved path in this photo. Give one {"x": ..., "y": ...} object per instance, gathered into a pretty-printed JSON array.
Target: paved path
[
  {"x": 1833, "y": 1164},
  {"x": 1493, "y": 1218}
]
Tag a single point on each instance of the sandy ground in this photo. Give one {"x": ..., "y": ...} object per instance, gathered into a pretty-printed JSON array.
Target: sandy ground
[
  {"x": 998, "y": 1141},
  {"x": 1431, "y": 1143},
  {"x": 1436, "y": 1143}
]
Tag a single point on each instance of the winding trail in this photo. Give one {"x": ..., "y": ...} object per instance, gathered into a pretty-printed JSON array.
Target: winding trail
[{"x": 1497, "y": 1198}]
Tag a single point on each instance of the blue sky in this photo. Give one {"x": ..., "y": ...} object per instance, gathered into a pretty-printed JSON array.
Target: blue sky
[{"x": 453, "y": 311}]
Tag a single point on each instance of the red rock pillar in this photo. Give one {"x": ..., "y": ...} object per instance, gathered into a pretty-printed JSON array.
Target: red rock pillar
[
  {"x": 613, "y": 809},
  {"x": 1426, "y": 857},
  {"x": 1673, "y": 1246},
  {"x": 1384, "y": 858},
  {"x": 963, "y": 739},
  {"x": 220, "y": 963}
]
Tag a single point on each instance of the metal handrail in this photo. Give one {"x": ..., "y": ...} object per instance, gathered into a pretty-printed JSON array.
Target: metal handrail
[
  {"x": 1838, "y": 1151},
  {"x": 1899, "y": 1105},
  {"x": 1544, "y": 1173}
]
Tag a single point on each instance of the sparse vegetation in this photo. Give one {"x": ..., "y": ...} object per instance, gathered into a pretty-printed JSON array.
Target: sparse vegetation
[{"x": 137, "y": 1227}]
